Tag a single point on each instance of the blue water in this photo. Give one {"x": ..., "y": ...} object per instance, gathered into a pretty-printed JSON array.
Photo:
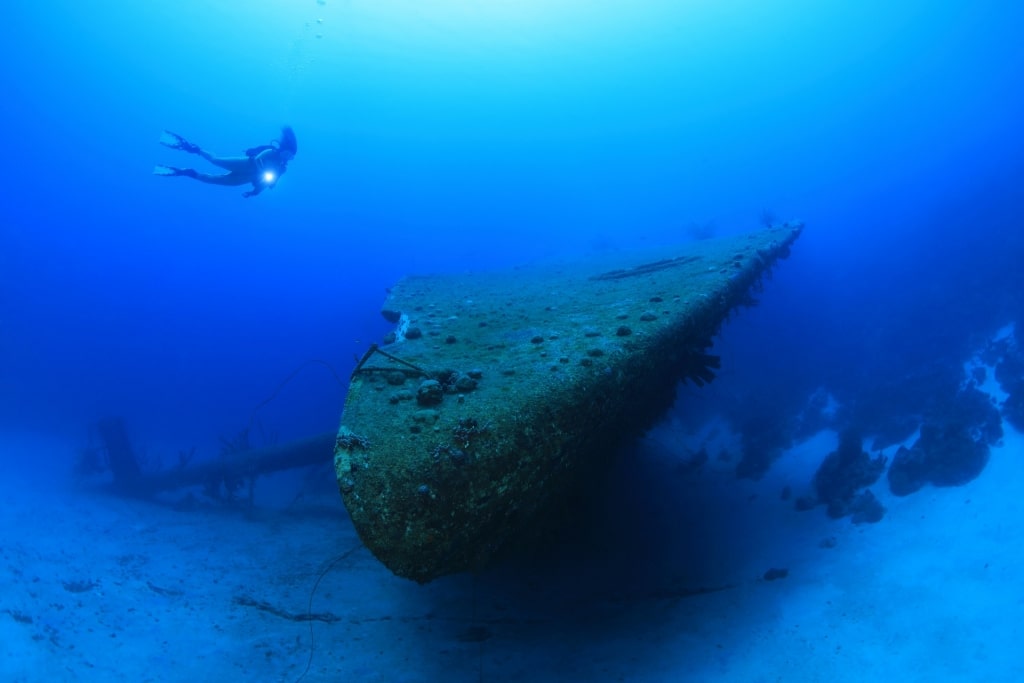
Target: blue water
[{"x": 459, "y": 135}]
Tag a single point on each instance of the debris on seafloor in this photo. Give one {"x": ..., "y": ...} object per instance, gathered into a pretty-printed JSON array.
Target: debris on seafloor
[{"x": 498, "y": 393}]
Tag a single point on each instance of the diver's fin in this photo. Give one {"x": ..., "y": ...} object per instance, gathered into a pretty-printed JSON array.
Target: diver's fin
[
  {"x": 169, "y": 139},
  {"x": 175, "y": 141},
  {"x": 170, "y": 170}
]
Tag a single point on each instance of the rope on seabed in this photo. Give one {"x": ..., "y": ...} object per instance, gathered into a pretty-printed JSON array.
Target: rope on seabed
[{"x": 309, "y": 608}]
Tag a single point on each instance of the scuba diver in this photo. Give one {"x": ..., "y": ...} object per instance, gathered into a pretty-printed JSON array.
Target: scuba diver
[{"x": 262, "y": 166}]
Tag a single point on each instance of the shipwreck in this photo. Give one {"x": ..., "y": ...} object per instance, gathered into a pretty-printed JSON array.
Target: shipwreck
[{"x": 498, "y": 393}]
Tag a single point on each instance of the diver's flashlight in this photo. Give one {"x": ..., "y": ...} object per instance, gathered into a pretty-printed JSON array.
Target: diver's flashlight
[{"x": 268, "y": 176}]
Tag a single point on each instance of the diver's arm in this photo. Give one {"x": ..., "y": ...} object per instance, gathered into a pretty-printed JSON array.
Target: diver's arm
[{"x": 256, "y": 189}]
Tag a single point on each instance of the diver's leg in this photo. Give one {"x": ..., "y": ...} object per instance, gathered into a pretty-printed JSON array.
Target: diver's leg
[
  {"x": 231, "y": 179},
  {"x": 233, "y": 164}
]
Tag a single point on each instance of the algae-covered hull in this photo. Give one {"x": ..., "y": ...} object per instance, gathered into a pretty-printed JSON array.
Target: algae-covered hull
[{"x": 498, "y": 391}]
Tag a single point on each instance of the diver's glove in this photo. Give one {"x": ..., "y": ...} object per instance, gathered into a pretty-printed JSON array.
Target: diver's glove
[{"x": 175, "y": 141}]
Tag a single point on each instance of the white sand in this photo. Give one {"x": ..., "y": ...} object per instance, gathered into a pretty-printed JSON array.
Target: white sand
[{"x": 933, "y": 592}]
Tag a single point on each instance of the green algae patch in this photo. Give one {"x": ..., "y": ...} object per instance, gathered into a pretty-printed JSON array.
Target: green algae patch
[{"x": 498, "y": 393}]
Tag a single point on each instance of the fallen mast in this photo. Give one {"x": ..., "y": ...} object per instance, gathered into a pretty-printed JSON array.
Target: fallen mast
[{"x": 226, "y": 473}]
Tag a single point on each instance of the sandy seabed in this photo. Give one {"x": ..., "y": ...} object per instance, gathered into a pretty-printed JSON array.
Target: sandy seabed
[{"x": 98, "y": 588}]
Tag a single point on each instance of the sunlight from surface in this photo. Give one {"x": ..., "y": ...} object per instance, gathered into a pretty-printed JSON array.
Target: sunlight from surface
[
  {"x": 503, "y": 15},
  {"x": 491, "y": 27}
]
